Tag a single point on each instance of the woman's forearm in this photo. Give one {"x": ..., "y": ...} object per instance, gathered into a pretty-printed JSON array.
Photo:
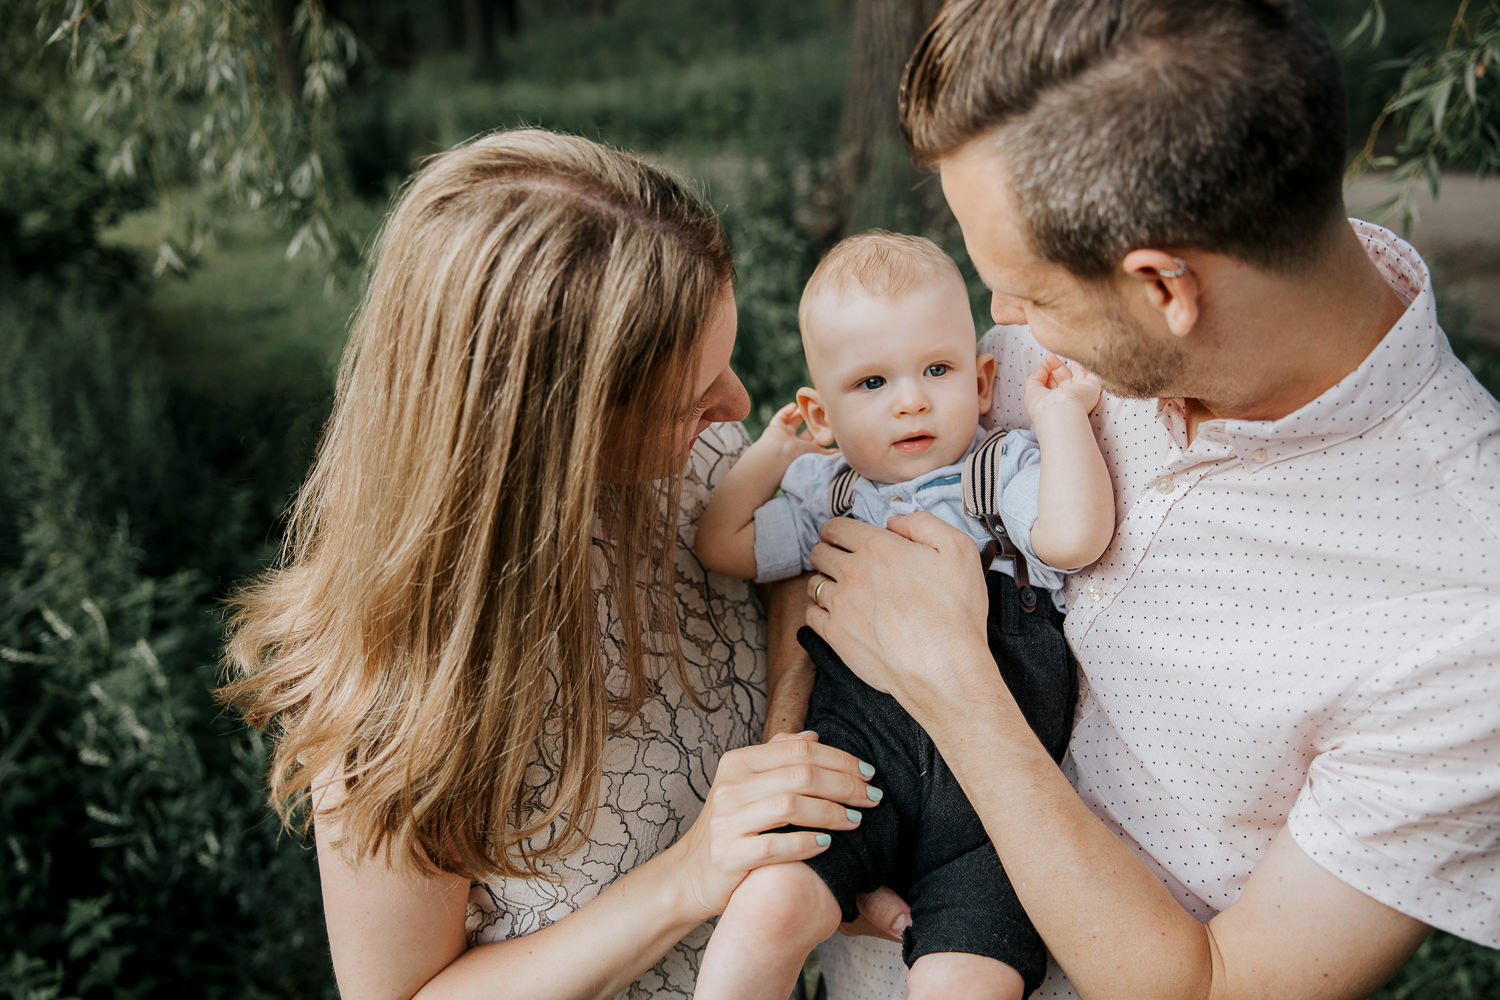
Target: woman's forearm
[{"x": 594, "y": 952}]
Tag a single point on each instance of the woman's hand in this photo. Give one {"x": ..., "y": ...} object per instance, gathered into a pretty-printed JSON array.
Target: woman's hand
[
  {"x": 789, "y": 781},
  {"x": 905, "y": 609}
]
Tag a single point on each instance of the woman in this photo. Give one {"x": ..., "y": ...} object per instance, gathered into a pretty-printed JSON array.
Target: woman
[{"x": 471, "y": 651}]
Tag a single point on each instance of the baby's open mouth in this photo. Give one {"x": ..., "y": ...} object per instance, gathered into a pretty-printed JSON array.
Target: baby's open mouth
[{"x": 915, "y": 444}]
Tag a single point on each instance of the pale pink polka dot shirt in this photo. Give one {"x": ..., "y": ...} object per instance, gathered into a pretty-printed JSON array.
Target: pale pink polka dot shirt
[{"x": 1298, "y": 623}]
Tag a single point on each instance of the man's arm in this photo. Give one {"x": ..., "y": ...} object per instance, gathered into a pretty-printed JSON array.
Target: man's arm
[{"x": 1296, "y": 931}]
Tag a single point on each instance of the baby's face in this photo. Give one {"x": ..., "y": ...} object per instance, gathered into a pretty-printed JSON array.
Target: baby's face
[{"x": 897, "y": 378}]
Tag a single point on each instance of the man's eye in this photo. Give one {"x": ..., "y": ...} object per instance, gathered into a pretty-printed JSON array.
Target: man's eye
[
  {"x": 873, "y": 382},
  {"x": 937, "y": 371}
]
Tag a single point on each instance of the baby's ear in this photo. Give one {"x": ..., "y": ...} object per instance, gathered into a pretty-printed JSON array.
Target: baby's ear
[
  {"x": 984, "y": 365},
  {"x": 813, "y": 414}
]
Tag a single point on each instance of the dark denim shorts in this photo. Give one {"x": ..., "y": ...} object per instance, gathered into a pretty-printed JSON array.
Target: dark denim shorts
[{"x": 924, "y": 839}]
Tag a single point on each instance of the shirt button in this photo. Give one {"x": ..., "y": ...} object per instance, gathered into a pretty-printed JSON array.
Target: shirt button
[
  {"x": 1164, "y": 484},
  {"x": 1258, "y": 455},
  {"x": 1083, "y": 692},
  {"x": 1095, "y": 592}
]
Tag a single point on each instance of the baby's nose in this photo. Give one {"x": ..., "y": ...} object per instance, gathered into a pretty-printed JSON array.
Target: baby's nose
[{"x": 910, "y": 398}]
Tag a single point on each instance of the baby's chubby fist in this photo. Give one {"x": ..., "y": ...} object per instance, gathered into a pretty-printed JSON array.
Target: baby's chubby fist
[
  {"x": 788, "y": 434},
  {"x": 1055, "y": 386}
]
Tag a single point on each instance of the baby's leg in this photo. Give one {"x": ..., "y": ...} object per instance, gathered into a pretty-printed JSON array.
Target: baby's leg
[
  {"x": 953, "y": 975},
  {"x": 776, "y": 916}
]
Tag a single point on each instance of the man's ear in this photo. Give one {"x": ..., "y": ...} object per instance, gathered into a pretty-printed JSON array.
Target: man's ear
[
  {"x": 985, "y": 367},
  {"x": 813, "y": 414},
  {"x": 1169, "y": 284}
]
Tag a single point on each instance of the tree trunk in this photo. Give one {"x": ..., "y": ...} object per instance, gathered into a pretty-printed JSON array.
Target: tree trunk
[
  {"x": 479, "y": 27},
  {"x": 288, "y": 62},
  {"x": 875, "y": 181}
]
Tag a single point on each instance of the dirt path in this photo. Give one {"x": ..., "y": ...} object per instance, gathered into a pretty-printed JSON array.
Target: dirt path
[{"x": 1459, "y": 235}]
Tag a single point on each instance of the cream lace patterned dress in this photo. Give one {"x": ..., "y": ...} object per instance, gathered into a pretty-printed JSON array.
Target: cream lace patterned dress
[{"x": 658, "y": 770}]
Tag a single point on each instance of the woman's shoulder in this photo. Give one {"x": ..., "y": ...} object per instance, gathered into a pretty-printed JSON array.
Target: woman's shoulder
[{"x": 715, "y": 452}]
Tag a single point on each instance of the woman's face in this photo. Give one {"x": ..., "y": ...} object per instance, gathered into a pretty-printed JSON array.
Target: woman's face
[
  {"x": 717, "y": 393},
  {"x": 714, "y": 394}
]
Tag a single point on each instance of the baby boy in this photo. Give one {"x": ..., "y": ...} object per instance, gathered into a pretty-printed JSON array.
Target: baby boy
[{"x": 898, "y": 390}]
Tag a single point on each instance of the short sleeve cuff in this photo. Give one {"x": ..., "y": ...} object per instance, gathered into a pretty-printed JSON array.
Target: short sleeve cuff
[
  {"x": 1399, "y": 883},
  {"x": 778, "y": 551}
]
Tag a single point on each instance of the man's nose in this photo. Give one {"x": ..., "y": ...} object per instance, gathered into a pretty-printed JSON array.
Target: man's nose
[{"x": 1007, "y": 311}]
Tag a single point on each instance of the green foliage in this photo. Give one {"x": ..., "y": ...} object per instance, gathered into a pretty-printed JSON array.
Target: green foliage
[
  {"x": 1446, "y": 106},
  {"x": 152, "y": 439},
  {"x": 1446, "y": 968},
  {"x": 137, "y": 850},
  {"x": 189, "y": 91}
]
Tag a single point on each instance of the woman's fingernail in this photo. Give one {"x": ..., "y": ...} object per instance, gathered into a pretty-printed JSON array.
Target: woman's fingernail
[
  {"x": 807, "y": 732},
  {"x": 874, "y": 793},
  {"x": 868, "y": 770},
  {"x": 901, "y": 924},
  {"x": 824, "y": 840},
  {"x": 854, "y": 815}
]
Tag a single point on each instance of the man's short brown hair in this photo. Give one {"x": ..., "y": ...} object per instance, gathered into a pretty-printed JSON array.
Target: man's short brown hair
[{"x": 1122, "y": 124}]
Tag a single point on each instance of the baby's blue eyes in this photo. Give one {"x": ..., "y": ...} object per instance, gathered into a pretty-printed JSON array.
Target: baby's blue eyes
[{"x": 877, "y": 381}]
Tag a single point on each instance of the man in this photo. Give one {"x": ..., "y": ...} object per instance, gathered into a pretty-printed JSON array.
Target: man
[{"x": 1287, "y": 754}]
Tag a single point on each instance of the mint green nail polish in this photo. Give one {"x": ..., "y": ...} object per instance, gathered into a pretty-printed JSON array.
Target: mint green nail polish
[
  {"x": 824, "y": 840},
  {"x": 875, "y": 794},
  {"x": 854, "y": 815},
  {"x": 868, "y": 770}
]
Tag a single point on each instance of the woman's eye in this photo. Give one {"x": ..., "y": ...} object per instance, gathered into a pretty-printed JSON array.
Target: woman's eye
[
  {"x": 937, "y": 371},
  {"x": 873, "y": 382}
]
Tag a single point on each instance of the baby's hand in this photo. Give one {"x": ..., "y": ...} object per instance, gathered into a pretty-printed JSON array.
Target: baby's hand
[
  {"x": 789, "y": 436},
  {"x": 1054, "y": 386}
]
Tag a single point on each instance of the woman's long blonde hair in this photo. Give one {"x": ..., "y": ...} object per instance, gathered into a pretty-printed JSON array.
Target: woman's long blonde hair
[{"x": 531, "y": 324}]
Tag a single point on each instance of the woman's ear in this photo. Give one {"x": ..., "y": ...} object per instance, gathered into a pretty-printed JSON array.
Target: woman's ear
[
  {"x": 1170, "y": 286},
  {"x": 985, "y": 368},
  {"x": 813, "y": 414}
]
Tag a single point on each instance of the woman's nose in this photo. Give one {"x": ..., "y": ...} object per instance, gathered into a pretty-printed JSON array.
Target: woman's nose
[{"x": 727, "y": 399}]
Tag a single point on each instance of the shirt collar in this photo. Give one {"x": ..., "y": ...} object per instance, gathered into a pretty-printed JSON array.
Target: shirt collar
[{"x": 1403, "y": 361}]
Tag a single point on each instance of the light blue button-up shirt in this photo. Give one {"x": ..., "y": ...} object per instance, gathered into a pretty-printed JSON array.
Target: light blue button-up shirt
[{"x": 786, "y": 527}]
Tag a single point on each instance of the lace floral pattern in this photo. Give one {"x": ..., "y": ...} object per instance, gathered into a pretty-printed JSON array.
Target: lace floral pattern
[{"x": 657, "y": 771}]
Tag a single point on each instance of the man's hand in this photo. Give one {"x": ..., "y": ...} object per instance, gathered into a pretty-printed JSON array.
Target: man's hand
[{"x": 904, "y": 608}]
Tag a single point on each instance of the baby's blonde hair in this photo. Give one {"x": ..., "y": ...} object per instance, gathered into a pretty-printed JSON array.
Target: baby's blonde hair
[
  {"x": 433, "y": 632},
  {"x": 879, "y": 263}
]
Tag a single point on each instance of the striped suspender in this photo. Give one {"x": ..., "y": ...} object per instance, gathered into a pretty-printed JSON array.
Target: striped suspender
[
  {"x": 841, "y": 492},
  {"x": 982, "y": 502}
]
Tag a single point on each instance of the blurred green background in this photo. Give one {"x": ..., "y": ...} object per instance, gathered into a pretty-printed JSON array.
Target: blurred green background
[{"x": 186, "y": 191}]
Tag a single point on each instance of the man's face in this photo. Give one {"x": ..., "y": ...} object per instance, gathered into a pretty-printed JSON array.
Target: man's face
[
  {"x": 1085, "y": 321},
  {"x": 897, "y": 381}
]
